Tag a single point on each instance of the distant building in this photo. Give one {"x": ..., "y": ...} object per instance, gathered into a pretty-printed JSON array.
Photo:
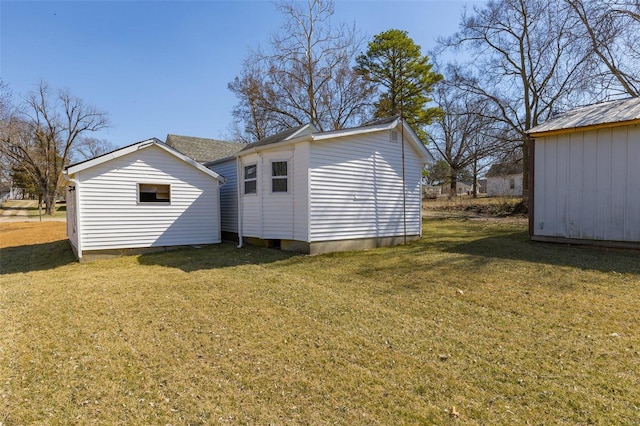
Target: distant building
[{"x": 505, "y": 179}]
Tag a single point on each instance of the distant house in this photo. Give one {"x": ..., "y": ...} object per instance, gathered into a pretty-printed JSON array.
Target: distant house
[
  {"x": 585, "y": 176},
  {"x": 462, "y": 188},
  {"x": 145, "y": 195},
  {"x": 317, "y": 192},
  {"x": 505, "y": 179}
]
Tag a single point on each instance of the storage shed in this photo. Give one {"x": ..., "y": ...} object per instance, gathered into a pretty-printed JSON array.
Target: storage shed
[
  {"x": 146, "y": 195},
  {"x": 585, "y": 183},
  {"x": 317, "y": 192}
]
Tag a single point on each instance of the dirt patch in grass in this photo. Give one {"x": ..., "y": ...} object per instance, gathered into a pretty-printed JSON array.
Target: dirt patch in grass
[
  {"x": 486, "y": 208},
  {"x": 471, "y": 325}
]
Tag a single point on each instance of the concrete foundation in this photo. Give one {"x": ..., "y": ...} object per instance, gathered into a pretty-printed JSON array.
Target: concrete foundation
[{"x": 320, "y": 247}]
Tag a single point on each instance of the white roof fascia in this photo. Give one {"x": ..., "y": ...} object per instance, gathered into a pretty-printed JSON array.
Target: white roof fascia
[
  {"x": 284, "y": 143},
  {"x": 422, "y": 150},
  {"x": 355, "y": 131},
  {"x": 71, "y": 170},
  {"x": 304, "y": 130}
]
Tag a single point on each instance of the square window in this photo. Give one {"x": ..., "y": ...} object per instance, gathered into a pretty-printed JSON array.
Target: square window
[{"x": 154, "y": 193}]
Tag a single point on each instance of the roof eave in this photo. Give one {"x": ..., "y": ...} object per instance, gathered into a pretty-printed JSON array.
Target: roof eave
[{"x": 567, "y": 130}]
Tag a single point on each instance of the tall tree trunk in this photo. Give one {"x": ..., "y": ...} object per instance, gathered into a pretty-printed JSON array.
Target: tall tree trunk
[
  {"x": 474, "y": 188},
  {"x": 50, "y": 203},
  {"x": 453, "y": 180}
]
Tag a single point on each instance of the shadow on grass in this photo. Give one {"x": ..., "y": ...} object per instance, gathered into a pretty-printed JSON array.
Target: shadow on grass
[
  {"x": 516, "y": 246},
  {"x": 223, "y": 255},
  {"x": 35, "y": 257}
]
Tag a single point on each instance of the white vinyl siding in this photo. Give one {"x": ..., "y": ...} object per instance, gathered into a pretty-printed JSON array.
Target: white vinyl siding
[
  {"x": 356, "y": 188},
  {"x": 587, "y": 185},
  {"x": 276, "y": 207},
  {"x": 300, "y": 183},
  {"x": 228, "y": 195},
  {"x": 251, "y": 209},
  {"x": 504, "y": 186},
  {"x": 113, "y": 218}
]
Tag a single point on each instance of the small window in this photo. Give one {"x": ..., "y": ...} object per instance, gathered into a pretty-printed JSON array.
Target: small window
[
  {"x": 279, "y": 176},
  {"x": 512, "y": 184},
  {"x": 251, "y": 179},
  {"x": 154, "y": 193}
]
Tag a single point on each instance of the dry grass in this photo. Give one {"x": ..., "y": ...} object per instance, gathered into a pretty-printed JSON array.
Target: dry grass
[{"x": 471, "y": 325}]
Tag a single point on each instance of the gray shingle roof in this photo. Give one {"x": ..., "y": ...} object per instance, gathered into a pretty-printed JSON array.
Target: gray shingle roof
[
  {"x": 204, "y": 150},
  {"x": 505, "y": 169},
  {"x": 606, "y": 112}
]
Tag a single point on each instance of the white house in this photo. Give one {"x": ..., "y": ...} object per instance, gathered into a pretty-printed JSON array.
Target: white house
[
  {"x": 585, "y": 176},
  {"x": 141, "y": 196},
  {"x": 317, "y": 192},
  {"x": 505, "y": 179}
]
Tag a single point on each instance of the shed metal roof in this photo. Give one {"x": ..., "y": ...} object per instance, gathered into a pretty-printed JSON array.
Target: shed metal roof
[{"x": 606, "y": 114}]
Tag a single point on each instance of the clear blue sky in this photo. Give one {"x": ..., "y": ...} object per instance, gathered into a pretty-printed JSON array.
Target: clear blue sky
[{"x": 159, "y": 67}]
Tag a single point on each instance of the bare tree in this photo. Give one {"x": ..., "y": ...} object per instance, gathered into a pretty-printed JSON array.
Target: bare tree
[
  {"x": 612, "y": 30},
  {"x": 41, "y": 139},
  {"x": 305, "y": 77},
  {"x": 87, "y": 148},
  {"x": 466, "y": 135},
  {"x": 5, "y": 113},
  {"x": 526, "y": 63}
]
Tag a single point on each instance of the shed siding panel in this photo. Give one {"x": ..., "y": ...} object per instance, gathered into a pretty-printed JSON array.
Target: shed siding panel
[
  {"x": 112, "y": 217},
  {"x": 618, "y": 186},
  {"x": 587, "y": 212},
  {"x": 550, "y": 174},
  {"x": 574, "y": 185},
  {"x": 595, "y": 176},
  {"x": 228, "y": 195},
  {"x": 356, "y": 188},
  {"x": 562, "y": 184},
  {"x": 603, "y": 185},
  {"x": 632, "y": 210}
]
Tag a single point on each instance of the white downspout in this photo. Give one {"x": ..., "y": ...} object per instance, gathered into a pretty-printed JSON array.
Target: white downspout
[
  {"x": 239, "y": 189},
  {"x": 78, "y": 217}
]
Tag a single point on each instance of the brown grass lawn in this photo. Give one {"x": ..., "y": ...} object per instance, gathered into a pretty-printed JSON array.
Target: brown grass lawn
[{"x": 471, "y": 325}]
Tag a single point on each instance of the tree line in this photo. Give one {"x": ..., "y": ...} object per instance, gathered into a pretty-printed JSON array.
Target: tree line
[
  {"x": 527, "y": 60},
  {"x": 518, "y": 62},
  {"x": 41, "y": 134}
]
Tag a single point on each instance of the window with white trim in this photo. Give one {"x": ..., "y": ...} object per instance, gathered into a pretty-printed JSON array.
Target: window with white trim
[
  {"x": 251, "y": 179},
  {"x": 279, "y": 176},
  {"x": 154, "y": 193}
]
